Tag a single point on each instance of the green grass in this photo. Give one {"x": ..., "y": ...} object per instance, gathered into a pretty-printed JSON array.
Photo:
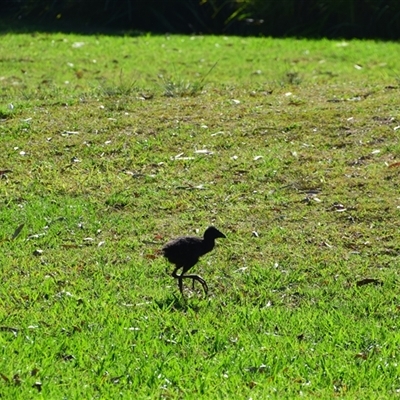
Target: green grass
[{"x": 115, "y": 146}]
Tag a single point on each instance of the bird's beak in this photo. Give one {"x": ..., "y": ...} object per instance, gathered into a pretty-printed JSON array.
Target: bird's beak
[{"x": 221, "y": 235}]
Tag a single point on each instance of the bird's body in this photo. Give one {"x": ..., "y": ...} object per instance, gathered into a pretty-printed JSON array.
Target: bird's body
[{"x": 185, "y": 251}]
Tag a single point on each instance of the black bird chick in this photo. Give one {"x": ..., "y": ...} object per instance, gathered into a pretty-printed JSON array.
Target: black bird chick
[{"x": 185, "y": 251}]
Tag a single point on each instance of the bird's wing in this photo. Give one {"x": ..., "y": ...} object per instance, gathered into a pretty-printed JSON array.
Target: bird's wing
[{"x": 183, "y": 251}]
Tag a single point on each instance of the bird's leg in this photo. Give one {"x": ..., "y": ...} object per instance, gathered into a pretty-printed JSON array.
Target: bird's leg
[
  {"x": 180, "y": 282},
  {"x": 179, "y": 277},
  {"x": 190, "y": 276},
  {"x": 197, "y": 278}
]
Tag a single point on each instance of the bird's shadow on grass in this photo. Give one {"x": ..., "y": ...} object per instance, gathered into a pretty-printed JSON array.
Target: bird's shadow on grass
[{"x": 179, "y": 303}]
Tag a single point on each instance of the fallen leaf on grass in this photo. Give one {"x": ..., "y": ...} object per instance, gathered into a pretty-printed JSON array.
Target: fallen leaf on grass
[
  {"x": 261, "y": 368},
  {"x": 218, "y": 133},
  {"x": 154, "y": 255},
  {"x": 17, "y": 379},
  {"x": 69, "y": 133},
  {"x": 5, "y": 171},
  {"x": 17, "y": 231},
  {"x": 63, "y": 294},
  {"x": 337, "y": 207},
  {"x": 146, "y": 96},
  {"x": 38, "y": 386},
  {"x": 67, "y": 357},
  {"x": 5, "y": 378},
  {"x": 35, "y": 236},
  {"x": 9, "y": 329},
  {"x": 37, "y": 252},
  {"x": 115, "y": 380},
  {"x": 396, "y": 164},
  {"x": 190, "y": 187},
  {"x": 179, "y": 157},
  {"x": 76, "y": 45},
  {"x": 367, "y": 281},
  {"x": 361, "y": 355},
  {"x": 203, "y": 151},
  {"x": 252, "y": 384}
]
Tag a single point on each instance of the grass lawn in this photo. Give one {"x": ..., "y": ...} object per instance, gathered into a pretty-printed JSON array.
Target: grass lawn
[{"x": 111, "y": 146}]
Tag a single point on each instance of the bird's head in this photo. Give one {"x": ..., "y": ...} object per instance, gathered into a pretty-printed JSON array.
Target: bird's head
[{"x": 213, "y": 233}]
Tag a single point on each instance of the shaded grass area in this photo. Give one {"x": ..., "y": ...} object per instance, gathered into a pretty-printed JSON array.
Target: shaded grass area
[{"x": 289, "y": 147}]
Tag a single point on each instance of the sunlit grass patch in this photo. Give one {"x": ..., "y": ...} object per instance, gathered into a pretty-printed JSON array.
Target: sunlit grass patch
[{"x": 290, "y": 147}]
